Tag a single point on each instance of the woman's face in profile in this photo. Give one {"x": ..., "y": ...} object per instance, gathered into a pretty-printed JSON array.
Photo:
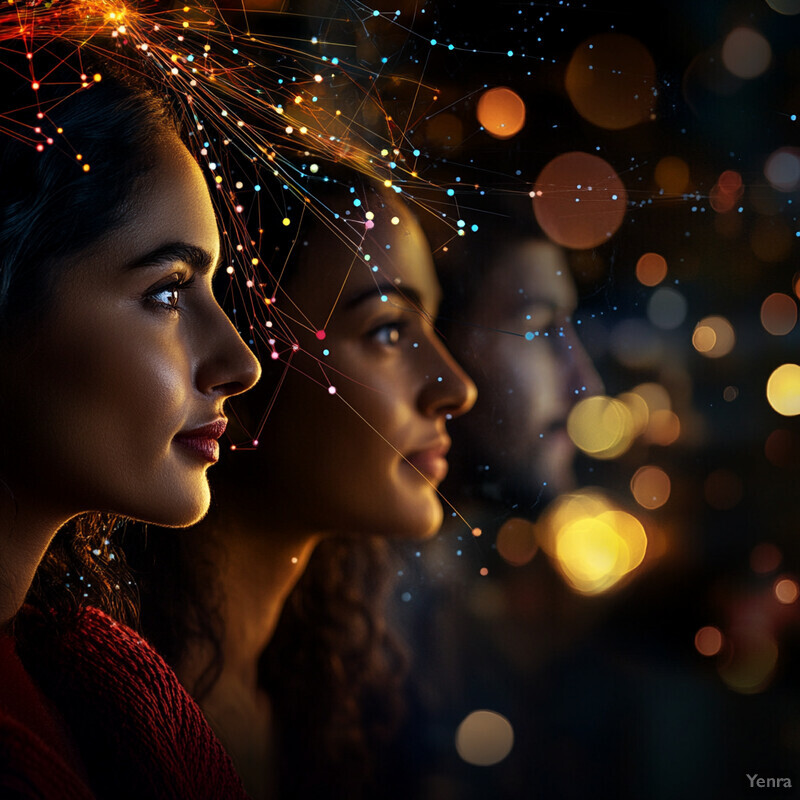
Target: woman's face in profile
[
  {"x": 356, "y": 441},
  {"x": 115, "y": 398}
]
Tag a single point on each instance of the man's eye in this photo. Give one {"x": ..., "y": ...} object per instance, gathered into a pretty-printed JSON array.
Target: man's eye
[{"x": 387, "y": 334}]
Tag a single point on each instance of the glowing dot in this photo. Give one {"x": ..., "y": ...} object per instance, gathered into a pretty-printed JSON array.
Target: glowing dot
[
  {"x": 97, "y": 77},
  {"x": 294, "y": 559},
  {"x": 476, "y": 532},
  {"x": 484, "y": 571},
  {"x": 286, "y": 221},
  {"x": 320, "y": 335},
  {"x": 229, "y": 270},
  {"x": 35, "y": 85},
  {"x": 783, "y": 390},
  {"x": 484, "y": 738},
  {"x": 331, "y": 390},
  {"x": 708, "y": 640},
  {"x": 85, "y": 167},
  {"x": 395, "y": 220}
]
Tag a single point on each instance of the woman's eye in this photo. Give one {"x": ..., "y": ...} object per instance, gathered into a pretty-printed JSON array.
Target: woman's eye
[
  {"x": 168, "y": 296},
  {"x": 388, "y": 334}
]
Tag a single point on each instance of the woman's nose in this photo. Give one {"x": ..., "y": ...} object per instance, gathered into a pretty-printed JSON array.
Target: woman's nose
[
  {"x": 228, "y": 367},
  {"x": 447, "y": 390}
]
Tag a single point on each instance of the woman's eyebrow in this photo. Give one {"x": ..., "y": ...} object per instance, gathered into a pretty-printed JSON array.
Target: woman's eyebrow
[
  {"x": 406, "y": 293},
  {"x": 199, "y": 259}
]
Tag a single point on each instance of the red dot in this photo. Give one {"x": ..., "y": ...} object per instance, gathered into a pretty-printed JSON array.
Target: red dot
[
  {"x": 320, "y": 335},
  {"x": 484, "y": 571}
]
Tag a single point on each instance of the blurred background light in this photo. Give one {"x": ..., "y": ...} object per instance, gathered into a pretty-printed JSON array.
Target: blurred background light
[
  {"x": 786, "y": 590},
  {"x": 651, "y": 269},
  {"x": 484, "y": 738},
  {"x": 752, "y": 662},
  {"x": 672, "y": 175},
  {"x": 782, "y": 169},
  {"x": 765, "y": 557},
  {"x": 783, "y": 390},
  {"x": 713, "y": 337},
  {"x": 666, "y": 308},
  {"x": 746, "y": 53},
  {"x": 787, "y": 7},
  {"x": 516, "y": 541},
  {"x": 778, "y": 314},
  {"x": 650, "y": 487},
  {"x": 723, "y": 489},
  {"x": 708, "y": 640},
  {"x": 601, "y": 426},
  {"x": 579, "y": 200},
  {"x": 501, "y": 111},
  {"x": 611, "y": 81}
]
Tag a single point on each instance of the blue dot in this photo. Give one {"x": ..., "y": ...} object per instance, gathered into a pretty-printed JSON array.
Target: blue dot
[
  {"x": 510, "y": 53},
  {"x": 474, "y": 228},
  {"x": 433, "y": 42},
  {"x": 376, "y": 13},
  {"x": 529, "y": 336},
  {"x": 326, "y": 352},
  {"x": 384, "y": 298},
  {"x": 356, "y": 202},
  {"x": 450, "y": 192},
  {"x": 405, "y": 597},
  {"x": 415, "y": 153},
  {"x": 257, "y": 187}
]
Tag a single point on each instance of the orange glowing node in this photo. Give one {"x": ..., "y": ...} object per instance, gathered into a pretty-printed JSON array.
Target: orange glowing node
[{"x": 786, "y": 590}]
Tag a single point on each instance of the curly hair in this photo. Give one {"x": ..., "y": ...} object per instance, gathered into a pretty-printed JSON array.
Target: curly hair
[{"x": 336, "y": 670}]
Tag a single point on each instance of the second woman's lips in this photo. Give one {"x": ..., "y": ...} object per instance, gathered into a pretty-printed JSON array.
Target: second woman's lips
[
  {"x": 202, "y": 441},
  {"x": 431, "y": 462}
]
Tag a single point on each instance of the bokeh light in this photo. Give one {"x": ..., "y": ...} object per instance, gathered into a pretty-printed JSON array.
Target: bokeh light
[
  {"x": 651, "y": 269},
  {"x": 650, "y": 487},
  {"x": 782, "y": 169},
  {"x": 746, "y": 53},
  {"x": 672, "y": 175},
  {"x": 780, "y": 448},
  {"x": 771, "y": 239},
  {"x": 786, "y": 590},
  {"x": 765, "y": 557},
  {"x": 516, "y": 541},
  {"x": 708, "y": 640},
  {"x": 752, "y": 663},
  {"x": 611, "y": 81},
  {"x": 787, "y": 7},
  {"x": 713, "y": 337},
  {"x": 601, "y": 426},
  {"x": 667, "y": 308},
  {"x": 783, "y": 390},
  {"x": 663, "y": 427},
  {"x": 593, "y": 543},
  {"x": 778, "y": 314},
  {"x": 484, "y": 738},
  {"x": 640, "y": 413},
  {"x": 579, "y": 200},
  {"x": 501, "y": 111}
]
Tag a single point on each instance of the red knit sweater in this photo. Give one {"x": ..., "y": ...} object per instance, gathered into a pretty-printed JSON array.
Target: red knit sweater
[{"x": 138, "y": 732}]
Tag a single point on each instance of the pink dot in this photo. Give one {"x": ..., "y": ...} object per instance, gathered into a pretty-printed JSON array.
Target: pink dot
[
  {"x": 274, "y": 356},
  {"x": 331, "y": 390},
  {"x": 255, "y": 442},
  {"x": 369, "y": 224},
  {"x": 320, "y": 335}
]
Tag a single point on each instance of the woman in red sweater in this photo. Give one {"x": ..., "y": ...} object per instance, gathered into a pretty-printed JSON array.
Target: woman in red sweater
[{"x": 116, "y": 362}]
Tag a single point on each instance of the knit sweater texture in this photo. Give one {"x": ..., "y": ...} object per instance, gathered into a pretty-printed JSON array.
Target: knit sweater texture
[{"x": 137, "y": 731}]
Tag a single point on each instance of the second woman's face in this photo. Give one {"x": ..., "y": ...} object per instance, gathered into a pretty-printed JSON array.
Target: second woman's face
[
  {"x": 356, "y": 442},
  {"x": 116, "y": 398}
]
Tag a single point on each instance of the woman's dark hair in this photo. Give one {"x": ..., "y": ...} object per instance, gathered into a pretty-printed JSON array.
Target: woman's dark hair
[
  {"x": 51, "y": 208},
  {"x": 334, "y": 669}
]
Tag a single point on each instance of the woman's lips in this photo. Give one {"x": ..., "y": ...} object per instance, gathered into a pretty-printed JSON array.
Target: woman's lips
[
  {"x": 431, "y": 462},
  {"x": 202, "y": 441}
]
